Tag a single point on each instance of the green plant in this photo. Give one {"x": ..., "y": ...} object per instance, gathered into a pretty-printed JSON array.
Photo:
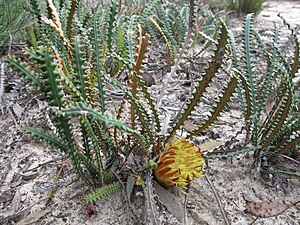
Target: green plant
[
  {"x": 173, "y": 21},
  {"x": 293, "y": 174},
  {"x": 268, "y": 93},
  {"x": 245, "y": 6},
  {"x": 14, "y": 18},
  {"x": 79, "y": 76},
  {"x": 64, "y": 73},
  {"x": 269, "y": 97}
]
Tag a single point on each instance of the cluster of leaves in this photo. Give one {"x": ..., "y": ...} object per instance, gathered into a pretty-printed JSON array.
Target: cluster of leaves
[
  {"x": 241, "y": 7},
  {"x": 170, "y": 19},
  {"x": 268, "y": 93},
  {"x": 173, "y": 21},
  {"x": 13, "y": 19},
  {"x": 71, "y": 73},
  {"x": 245, "y": 6},
  {"x": 77, "y": 65},
  {"x": 271, "y": 113}
]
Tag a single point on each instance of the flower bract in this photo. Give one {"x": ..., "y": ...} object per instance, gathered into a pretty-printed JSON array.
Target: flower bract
[{"x": 180, "y": 162}]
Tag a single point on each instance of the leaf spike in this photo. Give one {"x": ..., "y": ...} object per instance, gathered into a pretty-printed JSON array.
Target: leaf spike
[
  {"x": 56, "y": 24},
  {"x": 102, "y": 192},
  {"x": 213, "y": 67},
  {"x": 219, "y": 108},
  {"x": 286, "y": 146},
  {"x": 153, "y": 21}
]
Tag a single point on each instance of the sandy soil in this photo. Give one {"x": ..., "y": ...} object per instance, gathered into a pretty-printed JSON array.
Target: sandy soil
[{"x": 28, "y": 170}]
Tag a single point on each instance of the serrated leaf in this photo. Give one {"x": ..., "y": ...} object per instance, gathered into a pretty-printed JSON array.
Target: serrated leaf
[
  {"x": 213, "y": 67},
  {"x": 22, "y": 69}
]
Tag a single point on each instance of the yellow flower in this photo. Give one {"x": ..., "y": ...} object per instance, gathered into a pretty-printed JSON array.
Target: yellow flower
[{"x": 179, "y": 163}]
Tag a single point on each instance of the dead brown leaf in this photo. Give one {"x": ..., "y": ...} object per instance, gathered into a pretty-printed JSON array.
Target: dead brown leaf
[
  {"x": 148, "y": 79},
  {"x": 33, "y": 217},
  {"x": 266, "y": 209},
  {"x": 210, "y": 146},
  {"x": 29, "y": 175},
  {"x": 18, "y": 110},
  {"x": 7, "y": 196},
  {"x": 189, "y": 126},
  {"x": 170, "y": 201},
  {"x": 15, "y": 205},
  {"x": 129, "y": 186}
]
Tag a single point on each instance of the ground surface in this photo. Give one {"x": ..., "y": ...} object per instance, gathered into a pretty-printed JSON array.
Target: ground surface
[{"x": 28, "y": 170}]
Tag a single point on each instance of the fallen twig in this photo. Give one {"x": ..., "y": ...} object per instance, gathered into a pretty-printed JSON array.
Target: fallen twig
[
  {"x": 51, "y": 191},
  {"x": 223, "y": 213}
]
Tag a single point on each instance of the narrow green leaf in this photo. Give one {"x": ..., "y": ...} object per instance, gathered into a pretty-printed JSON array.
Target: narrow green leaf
[
  {"x": 21, "y": 68},
  {"x": 213, "y": 66}
]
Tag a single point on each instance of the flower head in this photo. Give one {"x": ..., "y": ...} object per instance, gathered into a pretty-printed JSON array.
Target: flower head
[{"x": 180, "y": 162}]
